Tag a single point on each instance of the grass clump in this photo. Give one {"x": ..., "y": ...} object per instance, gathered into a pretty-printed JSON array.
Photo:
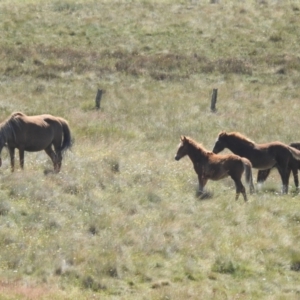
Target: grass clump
[{"x": 226, "y": 265}]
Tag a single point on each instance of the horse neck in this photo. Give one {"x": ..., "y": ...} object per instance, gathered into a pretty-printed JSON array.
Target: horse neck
[
  {"x": 196, "y": 154},
  {"x": 238, "y": 146},
  {"x": 7, "y": 131}
]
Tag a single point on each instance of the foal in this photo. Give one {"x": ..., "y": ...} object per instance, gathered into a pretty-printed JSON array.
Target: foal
[{"x": 215, "y": 167}]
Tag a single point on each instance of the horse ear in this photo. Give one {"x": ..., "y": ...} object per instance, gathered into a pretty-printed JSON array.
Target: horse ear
[
  {"x": 183, "y": 138},
  {"x": 222, "y": 133}
]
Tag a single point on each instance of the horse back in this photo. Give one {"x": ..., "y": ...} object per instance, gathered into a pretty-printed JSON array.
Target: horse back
[
  {"x": 34, "y": 133},
  {"x": 227, "y": 163},
  {"x": 42, "y": 121},
  {"x": 284, "y": 152}
]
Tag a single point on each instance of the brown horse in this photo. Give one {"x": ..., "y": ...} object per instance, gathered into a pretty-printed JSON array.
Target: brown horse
[
  {"x": 215, "y": 167},
  {"x": 262, "y": 156},
  {"x": 293, "y": 165},
  {"x": 35, "y": 133}
]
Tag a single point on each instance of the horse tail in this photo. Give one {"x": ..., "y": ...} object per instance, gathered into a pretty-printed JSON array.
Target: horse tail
[
  {"x": 295, "y": 145},
  {"x": 67, "y": 138},
  {"x": 295, "y": 152},
  {"x": 248, "y": 173}
]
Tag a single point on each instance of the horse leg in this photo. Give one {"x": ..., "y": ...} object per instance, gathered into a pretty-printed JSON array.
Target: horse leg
[
  {"x": 243, "y": 191},
  {"x": 59, "y": 160},
  {"x": 53, "y": 157},
  {"x": 21, "y": 158},
  {"x": 239, "y": 188},
  {"x": 12, "y": 158},
  {"x": 202, "y": 182},
  {"x": 262, "y": 175},
  {"x": 296, "y": 180},
  {"x": 284, "y": 174}
]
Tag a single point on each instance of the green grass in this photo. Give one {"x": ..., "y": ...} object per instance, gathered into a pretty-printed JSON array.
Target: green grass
[{"x": 122, "y": 220}]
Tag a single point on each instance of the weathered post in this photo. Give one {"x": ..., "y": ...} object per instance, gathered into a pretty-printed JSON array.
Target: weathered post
[
  {"x": 98, "y": 98},
  {"x": 214, "y": 100}
]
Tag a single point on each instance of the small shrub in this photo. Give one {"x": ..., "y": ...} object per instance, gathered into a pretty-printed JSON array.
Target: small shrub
[
  {"x": 113, "y": 164},
  {"x": 233, "y": 65},
  {"x": 224, "y": 266},
  {"x": 68, "y": 6},
  {"x": 276, "y": 38},
  {"x": 295, "y": 262},
  {"x": 153, "y": 197},
  {"x": 88, "y": 282},
  {"x": 4, "y": 208}
]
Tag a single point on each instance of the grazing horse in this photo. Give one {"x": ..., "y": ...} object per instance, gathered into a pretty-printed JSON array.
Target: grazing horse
[
  {"x": 262, "y": 156},
  {"x": 35, "y": 133},
  {"x": 293, "y": 165},
  {"x": 215, "y": 167}
]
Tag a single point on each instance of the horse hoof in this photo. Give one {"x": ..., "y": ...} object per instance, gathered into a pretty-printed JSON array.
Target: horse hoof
[
  {"x": 204, "y": 195},
  {"x": 47, "y": 172}
]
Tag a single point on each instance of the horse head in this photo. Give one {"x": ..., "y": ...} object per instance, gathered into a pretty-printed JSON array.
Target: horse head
[
  {"x": 182, "y": 148},
  {"x": 220, "y": 142}
]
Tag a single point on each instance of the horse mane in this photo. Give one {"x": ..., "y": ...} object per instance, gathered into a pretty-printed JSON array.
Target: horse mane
[
  {"x": 196, "y": 145},
  {"x": 242, "y": 138},
  {"x": 17, "y": 114},
  {"x": 6, "y": 128}
]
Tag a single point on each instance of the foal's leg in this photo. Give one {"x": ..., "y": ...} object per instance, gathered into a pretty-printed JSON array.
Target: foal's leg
[
  {"x": 239, "y": 188},
  {"x": 53, "y": 157},
  {"x": 202, "y": 182}
]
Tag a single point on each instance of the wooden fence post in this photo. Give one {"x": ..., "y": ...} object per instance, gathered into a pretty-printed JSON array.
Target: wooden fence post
[
  {"x": 98, "y": 98},
  {"x": 214, "y": 100}
]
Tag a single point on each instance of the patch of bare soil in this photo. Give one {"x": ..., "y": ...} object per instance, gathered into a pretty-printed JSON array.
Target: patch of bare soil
[{"x": 25, "y": 291}]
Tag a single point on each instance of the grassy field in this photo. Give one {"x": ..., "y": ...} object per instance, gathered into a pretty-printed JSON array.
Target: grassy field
[{"x": 122, "y": 219}]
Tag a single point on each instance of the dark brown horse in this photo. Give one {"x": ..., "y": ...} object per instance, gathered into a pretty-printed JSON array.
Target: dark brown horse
[
  {"x": 35, "y": 133},
  {"x": 262, "y": 156},
  {"x": 215, "y": 167},
  {"x": 293, "y": 166}
]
